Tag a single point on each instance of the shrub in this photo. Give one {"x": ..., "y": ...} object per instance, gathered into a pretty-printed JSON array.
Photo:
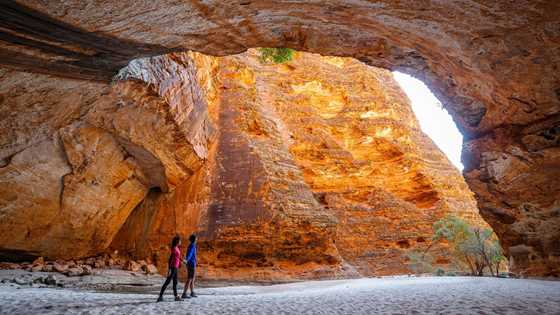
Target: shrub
[
  {"x": 472, "y": 247},
  {"x": 496, "y": 256},
  {"x": 275, "y": 55},
  {"x": 439, "y": 272},
  {"x": 420, "y": 262}
]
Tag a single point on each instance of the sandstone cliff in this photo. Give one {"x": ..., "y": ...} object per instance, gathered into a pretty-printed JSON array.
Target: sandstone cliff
[
  {"x": 352, "y": 132},
  {"x": 493, "y": 64},
  {"x": 72, "y": 180},
  {"x": 319, "y": 169}
]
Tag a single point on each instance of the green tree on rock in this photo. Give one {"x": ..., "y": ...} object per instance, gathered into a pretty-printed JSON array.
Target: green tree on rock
[{"x": 275, "y": 55}]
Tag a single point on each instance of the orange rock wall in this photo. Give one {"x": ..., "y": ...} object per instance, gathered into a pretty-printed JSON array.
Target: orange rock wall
[
  {"x": 514, "y": 172},
  {"x": 319, "y": 169},
  {"x": 353, "y": 134},
  {"x": 74, "y": 179},
  {"x": 258, "y": 220},
  {"x": 493, "y": 64}
]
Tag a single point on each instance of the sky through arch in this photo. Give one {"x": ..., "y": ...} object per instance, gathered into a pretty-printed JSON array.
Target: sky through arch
[{"x": 434, "y": 120}]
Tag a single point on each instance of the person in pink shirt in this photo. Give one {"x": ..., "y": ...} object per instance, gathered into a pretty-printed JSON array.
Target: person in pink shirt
[{"x": 173, "y": 268}]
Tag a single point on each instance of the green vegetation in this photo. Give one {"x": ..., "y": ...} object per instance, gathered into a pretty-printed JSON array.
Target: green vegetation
[
  {"x": 420, "y": 262},
  {"x": 276, "y": 55},
  {"x": 439, "y": 272},
  {"x": 473, "y": 249}
]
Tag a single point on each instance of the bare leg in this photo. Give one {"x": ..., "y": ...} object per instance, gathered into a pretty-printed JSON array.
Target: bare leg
[
  {"x": 192, "y": 284},
  {"x": 186, "y": 287}
]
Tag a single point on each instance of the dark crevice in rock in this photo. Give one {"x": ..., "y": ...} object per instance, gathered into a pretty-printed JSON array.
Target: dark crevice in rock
[
  {"x": 4, "y": 162},
  {"x": 144, "y": 212},
  {"x": 62, "y": 179},
  {"x": 14, "y": 255},
  {"x": 72, "y": 52}
]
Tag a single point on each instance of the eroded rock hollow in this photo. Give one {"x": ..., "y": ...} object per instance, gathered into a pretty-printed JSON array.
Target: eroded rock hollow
[{"x": 74, "y": 148}]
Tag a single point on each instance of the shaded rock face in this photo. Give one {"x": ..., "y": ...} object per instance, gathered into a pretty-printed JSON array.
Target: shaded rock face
[
  {"x": 515, "y": 175},
  {"x": 66, "y": 192},
  {"x": 489, "y": 62},
  {"x": 494, "y": 65},
  {"x": 319, "y": 169}
]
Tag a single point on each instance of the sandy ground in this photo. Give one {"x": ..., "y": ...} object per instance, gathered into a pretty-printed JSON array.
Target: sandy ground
[{"x": 398, "y": 295}]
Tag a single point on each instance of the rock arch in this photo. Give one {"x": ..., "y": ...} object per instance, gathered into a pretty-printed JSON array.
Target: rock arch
[{"x": 494, "y": 65}]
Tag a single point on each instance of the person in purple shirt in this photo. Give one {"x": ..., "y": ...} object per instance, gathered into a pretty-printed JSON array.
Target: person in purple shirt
[{"x": 190, "y": 262}]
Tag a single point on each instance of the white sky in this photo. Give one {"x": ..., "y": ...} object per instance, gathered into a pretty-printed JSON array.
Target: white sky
[{"x": 434, "y": 120}]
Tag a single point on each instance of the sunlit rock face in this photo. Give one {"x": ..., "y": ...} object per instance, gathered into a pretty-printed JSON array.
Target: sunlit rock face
[
  {"x": 319, "y": 169},
  {"x": 353, "y": 134},
  {"x": 255, "y": 215},
  {"x": 66, "y": 192}
]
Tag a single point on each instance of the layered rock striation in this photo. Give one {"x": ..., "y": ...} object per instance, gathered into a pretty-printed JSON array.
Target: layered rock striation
[
  {"x": 353, "y": 134},
  {"x": 319, "y": 169},
  {"x": 255, "y": 214}
]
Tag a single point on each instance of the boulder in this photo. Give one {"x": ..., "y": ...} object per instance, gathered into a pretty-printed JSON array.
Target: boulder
[
  {"x": 50, "y": 280},
  {"x": 110, "y": 262},
  {"x": 39, "y": 280},
  {"x": 38, "y": 261},
  {"x": 90, "y": 261},
  {"x": 150, "y": 269},
  {"x": 37, "y": 268},
  {"x": 74, "y": 271},
  {"x": 99, "y": 263},
  {"x": 22, "y": 281},
  {"x": 9, "y": 265},
  {"x": 131, "y": 265},
  {"x": 60, "y": 267},
  {"x": 87, "y": 270}
]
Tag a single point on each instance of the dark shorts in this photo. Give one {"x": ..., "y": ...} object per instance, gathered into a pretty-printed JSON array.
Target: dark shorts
[{"x": 190, "y": 271}]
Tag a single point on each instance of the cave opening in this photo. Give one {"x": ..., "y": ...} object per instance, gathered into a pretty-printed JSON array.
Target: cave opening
[
  {"x": 508, "y": 116},
  {"x": 434, "y": 119},
  {"x": 125, "y": 123},
  {"x": 234, "y": 141}
]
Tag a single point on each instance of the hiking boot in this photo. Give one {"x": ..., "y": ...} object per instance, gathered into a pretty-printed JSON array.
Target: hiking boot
[
  {"x": 193, "y": 295},
  {"x": 178, "y": 298},
  {"x": 159, "y": 299},
  {"x": 185, "y": 296}
]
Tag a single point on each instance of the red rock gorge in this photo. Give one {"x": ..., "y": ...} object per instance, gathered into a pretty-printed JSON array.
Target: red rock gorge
[{"x": 115, "y": 138}]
